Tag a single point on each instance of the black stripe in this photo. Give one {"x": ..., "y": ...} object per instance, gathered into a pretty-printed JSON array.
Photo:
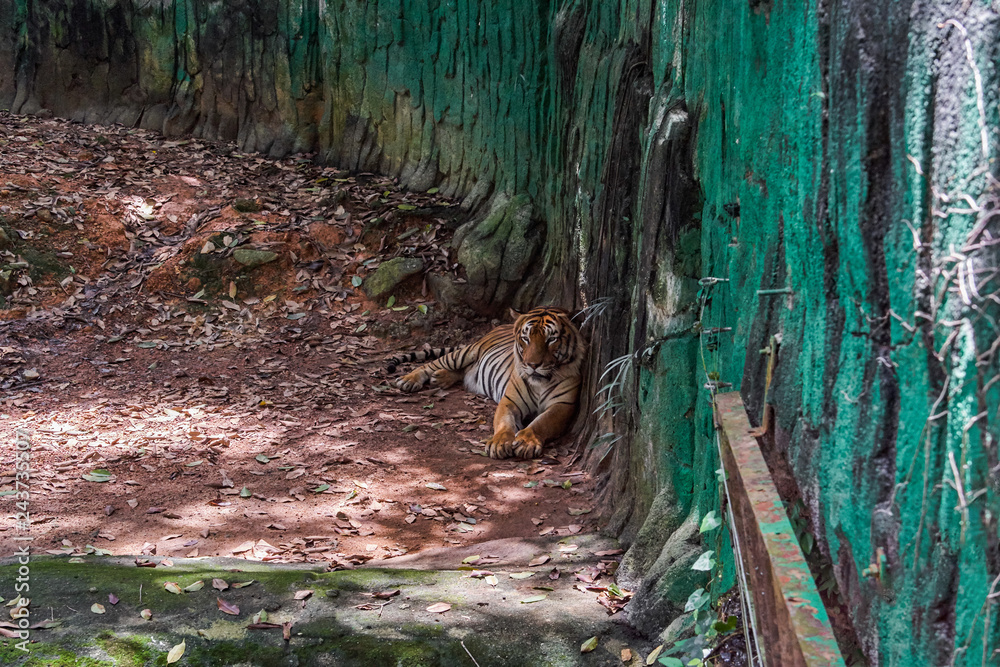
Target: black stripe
[
  {"x": 517, "y": 390},
  {"x": 557, "y": 399},
  {"x": 420, "y": 355}
]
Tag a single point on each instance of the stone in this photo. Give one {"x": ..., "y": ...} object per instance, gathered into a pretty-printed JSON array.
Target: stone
[
  {"x": 251, "y": 258},
  {"x": 680, "y": 628},
  {"x": 444, "y": 290},
  {"x": 246, "y": 205},
  {"x": 5, "y": 242},
  {"x": 390, "y": 274},
  {"x": 498, "y": 251},
  {"x": 661, "y": 592}
]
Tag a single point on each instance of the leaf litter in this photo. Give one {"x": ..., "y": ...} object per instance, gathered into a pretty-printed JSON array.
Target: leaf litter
[{"x": 213, "y": 400}]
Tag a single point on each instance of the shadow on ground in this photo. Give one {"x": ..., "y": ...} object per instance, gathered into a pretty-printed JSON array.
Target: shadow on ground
[{"x": 339, "y": 622}]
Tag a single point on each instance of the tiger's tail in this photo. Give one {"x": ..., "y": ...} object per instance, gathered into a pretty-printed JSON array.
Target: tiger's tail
[{"x": 421, "y": 356}]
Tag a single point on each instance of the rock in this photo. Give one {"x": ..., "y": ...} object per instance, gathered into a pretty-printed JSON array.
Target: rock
[
  {"x": 154, "y": 117},
  {"x": 31, "y": 374},
  {"x": 250, "y": 258},
  {"x": 247, "y": 205},
  {"x": 680, "y": 628},
  {"x": 390, "y": 274},
  {"x": 498, "y": 252},
  {"x": 444, "y": 290},
  {"x": 44, "y": 215},
  {"x": 5, "y": 242},
  {"x": 662, "y": 591}
]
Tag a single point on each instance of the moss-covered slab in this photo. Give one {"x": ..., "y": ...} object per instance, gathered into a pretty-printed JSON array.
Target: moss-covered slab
[
  {"x": 338, "y": 622},
  {"x": 251, "y": 258},
  {"x": 390, "y": 274}
]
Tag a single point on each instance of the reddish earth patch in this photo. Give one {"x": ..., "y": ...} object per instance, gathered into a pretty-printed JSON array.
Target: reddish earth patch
[
  {"x": 347, "y": 473},
  {"x": 250, "y": 416}
]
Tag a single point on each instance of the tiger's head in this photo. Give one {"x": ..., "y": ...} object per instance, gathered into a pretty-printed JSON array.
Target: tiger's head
[{"x": 546, "y": 344}]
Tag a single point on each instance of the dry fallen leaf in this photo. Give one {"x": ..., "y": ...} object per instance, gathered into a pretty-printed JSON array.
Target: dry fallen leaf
[
  {"x": 439, "y": 608},
  {"x": 176, "y": 652},
  {"x": 626, "y": 655},
  {"x": 540, "y": 560},
  {"x": 246, "y": 546},
  {"x": 589, "y": 645},
  {"x": 228, "y": 607},
  {"x": 219, "y": 584}
]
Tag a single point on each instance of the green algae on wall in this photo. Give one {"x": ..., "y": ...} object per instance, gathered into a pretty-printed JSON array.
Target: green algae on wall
[{"x": 848, "y": 186}]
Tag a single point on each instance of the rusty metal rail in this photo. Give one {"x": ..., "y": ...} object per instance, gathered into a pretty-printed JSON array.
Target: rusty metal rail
[{"x": 792, "y": 624}]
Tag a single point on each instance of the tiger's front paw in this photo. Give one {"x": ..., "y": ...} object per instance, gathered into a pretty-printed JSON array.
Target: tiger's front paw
[
  {"x": 411, "y": 382},
  {"x": 499, "y": 445},
  {"x": 527, "y": 445},
  {"x": 444, "y": 378}
]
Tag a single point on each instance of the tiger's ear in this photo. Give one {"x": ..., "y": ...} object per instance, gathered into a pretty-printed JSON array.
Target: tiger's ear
[{"x": 514, "y": 314}]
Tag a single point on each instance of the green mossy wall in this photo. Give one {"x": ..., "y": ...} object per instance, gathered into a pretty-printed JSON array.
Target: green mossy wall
[{"x": 840, "y": 148}]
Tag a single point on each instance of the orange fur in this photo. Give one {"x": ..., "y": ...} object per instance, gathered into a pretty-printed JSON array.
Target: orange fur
[{"x": 531, "y": 369}]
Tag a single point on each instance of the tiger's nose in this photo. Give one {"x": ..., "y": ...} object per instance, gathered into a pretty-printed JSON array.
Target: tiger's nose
[{"x": 532, "y": 365}]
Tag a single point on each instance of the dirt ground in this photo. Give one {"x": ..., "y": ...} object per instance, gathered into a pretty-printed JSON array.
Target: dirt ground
[{"x": 179, "y": 403}]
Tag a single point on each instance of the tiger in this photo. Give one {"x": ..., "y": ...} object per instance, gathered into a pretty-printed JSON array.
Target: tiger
[{"x": 531, "y": 368}]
